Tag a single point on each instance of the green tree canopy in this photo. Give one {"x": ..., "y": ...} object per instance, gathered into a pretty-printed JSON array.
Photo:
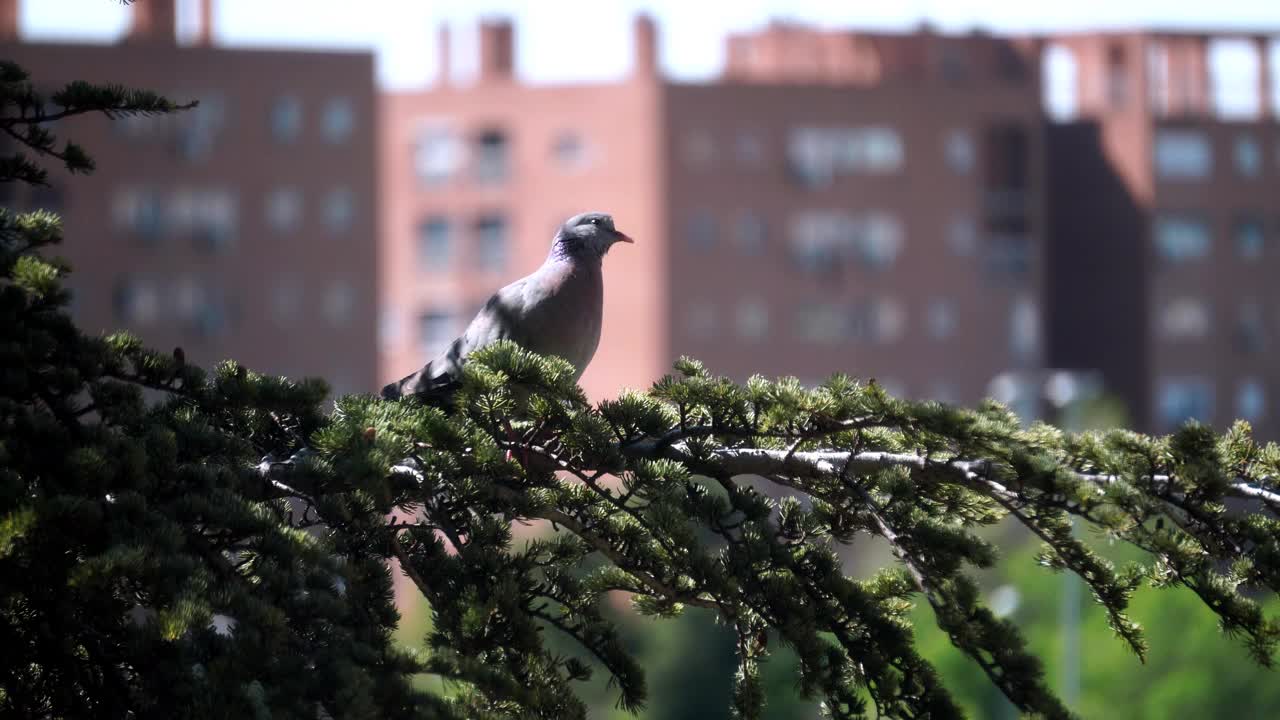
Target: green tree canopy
[{"x": 176, "y": 542}]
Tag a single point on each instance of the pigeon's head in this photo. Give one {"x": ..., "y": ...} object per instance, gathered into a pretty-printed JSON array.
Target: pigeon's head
[{"x": 588, "y": 235}]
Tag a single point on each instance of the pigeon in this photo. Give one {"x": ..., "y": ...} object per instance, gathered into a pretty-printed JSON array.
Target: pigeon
[{"x": 554, "y": 311}]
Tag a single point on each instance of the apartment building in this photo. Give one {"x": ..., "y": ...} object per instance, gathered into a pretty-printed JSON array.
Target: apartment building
[
  {"x": 242, "y": 229},
  {"x": 1165, "y": 229},
  {"x": 878, "y": 210}
]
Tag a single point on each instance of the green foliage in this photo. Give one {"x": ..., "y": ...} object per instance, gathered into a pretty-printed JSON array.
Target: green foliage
[
  {"x": 25, "y": 114},
  {"x": 147, "y": 568},
  {"x": 145, "y": 565},
  {"x": 217, "y": 546}
]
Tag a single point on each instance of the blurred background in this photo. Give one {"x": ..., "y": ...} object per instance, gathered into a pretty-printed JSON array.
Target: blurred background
[{"x": 1073, "y": 208}]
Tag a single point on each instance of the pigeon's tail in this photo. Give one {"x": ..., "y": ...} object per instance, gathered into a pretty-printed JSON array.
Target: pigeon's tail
[{"x": 435, "y": 391}]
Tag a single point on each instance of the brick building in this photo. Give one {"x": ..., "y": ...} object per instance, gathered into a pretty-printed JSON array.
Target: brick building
[
  {"x": 1165, "y": 230},
  {"x": 898, "y": 206},
  {"x": 243, "y": 229},
  {"x": 791, "y": 218}
]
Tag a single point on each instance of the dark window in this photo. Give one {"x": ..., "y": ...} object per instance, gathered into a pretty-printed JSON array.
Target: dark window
[
  {"x": 1182, "y": 237},
  {"x": 750, "y": 233},
  {"x": 491, "y": 243},
  {"x": 1250, "y": 237},
  {"x": 1007, "y": 179},
  {"x": 1008, "y": 256},
  {"x": 1182, "y": 399},
  {"x": 435, "y": 331},
  {"x": 570, "y": 151},
  {"x": 492, "y": 157},
  {"x": 1250, "y": 330},
  {"x": 286, "y": 118},
  {"x": 702, "y": 230},
  {"x": 435, "y": 244}
]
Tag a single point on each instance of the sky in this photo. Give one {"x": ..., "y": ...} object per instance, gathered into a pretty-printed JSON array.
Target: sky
[{"x": 580, "y": 40}]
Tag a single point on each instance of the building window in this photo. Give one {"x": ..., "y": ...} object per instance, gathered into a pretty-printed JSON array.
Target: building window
[
  {"x": 1248, "y": 156},
  {"x": 338, "y": 119},
  {"x": 1250, "y": 331},
  {"x": 960, "y": 152},
  {"x": 890, "y": 320},
  {"x": 138, "y": 211},
  {"x": 1185, "y": 318},
  {"x": 824, "y": 323},
  {"x": 188, "y": 299},
  {"x": 818, "y": 155},
  {"x": 700, "y": 319},
  {"x": 286, "y": 119},
  {"x": 1024, "y": 328},
  {"x": 339, "y": 210},
  {"x": 204, "y": 311},
  {"x": 1251, "y": 400},
  {"x": 702, "y": 230},
  {"x": 339, "y": 303},
  {"x": 284, "y": 209},
  {"x": 286, "y": 298},
  {"x": 962, "y": 235},
  {"x": 698, "y": 149},
  {"x": 822, "y": 240},
  {"x": 1182, "y": 238},
  {"x": 491, "y": 243},
  {"x": 437, "y": 154},
  {"x": 880, "y": 320},
  {"x": 814, "y": 244},
  {"x": 492, "y": 161},
  {"x": 1018, "y": 392},
  {"x": 749, "y": 148},
  {"x": 435, "y": 244},
  {"x": 749, "y": 232},
  {"x": 1008, "y": 256},
  {"x": 940, "y": 318},
  {"x": 877, "y": 240},
  {"x": 390, "y": 328},
  {"x": 1183, "y": 155},
  {"x": 809, "y": 158},
  {"x": 435, "y": 331},
  {"x": 751, "y": 319},
  {"x": 569, "y": 151},
  {"x": 214, "y": 219},
  {"x": 1180, "y": 399},
  {"x": 217, "y": 317},
  {"x": 136, "y": 302},
  {"x": 198, "y": 128},
  {"x": 1006, "y": 181},
  {"x": 1250, "y": 238}
]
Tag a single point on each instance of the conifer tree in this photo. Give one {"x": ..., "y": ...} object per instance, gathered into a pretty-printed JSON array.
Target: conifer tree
[{"x": 175, "y": 542}]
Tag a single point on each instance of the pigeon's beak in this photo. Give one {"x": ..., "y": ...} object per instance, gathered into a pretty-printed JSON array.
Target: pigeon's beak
[{"x": 620, "y": 236}]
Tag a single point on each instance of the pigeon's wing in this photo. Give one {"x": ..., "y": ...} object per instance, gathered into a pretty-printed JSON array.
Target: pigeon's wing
[{"x": 499, "y": 319}]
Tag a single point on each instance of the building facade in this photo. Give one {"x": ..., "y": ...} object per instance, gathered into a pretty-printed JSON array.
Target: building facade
[
  {"x": 896, "y": 206},
  {"x": 1165, "y": 230},
  {"x": 242, "y": 229},
  {"x": 786, "y": 224}
]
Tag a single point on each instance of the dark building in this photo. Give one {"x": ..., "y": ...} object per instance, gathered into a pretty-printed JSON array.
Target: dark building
[{"x": 1165, "y": 231}]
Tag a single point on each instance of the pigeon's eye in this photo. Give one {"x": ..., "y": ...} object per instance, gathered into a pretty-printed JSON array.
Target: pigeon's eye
[{"x": 595, "y": 221}]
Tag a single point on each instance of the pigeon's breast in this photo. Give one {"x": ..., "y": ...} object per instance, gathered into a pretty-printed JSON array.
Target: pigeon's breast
[{"x": 571, "y": 318}]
